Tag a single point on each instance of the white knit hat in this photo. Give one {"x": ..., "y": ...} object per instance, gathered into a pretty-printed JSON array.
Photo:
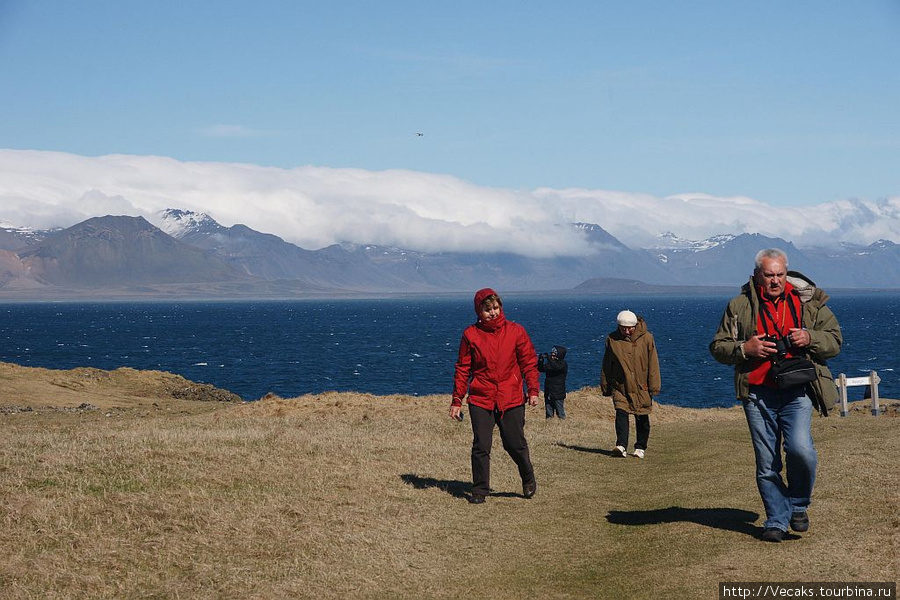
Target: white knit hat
[{"x": 626, "y": 318}]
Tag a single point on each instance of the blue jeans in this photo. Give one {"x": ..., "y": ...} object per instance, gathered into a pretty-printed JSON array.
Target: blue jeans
[
  {"x": 776, "y": 418},
  {"x": 554, "y": 405}
]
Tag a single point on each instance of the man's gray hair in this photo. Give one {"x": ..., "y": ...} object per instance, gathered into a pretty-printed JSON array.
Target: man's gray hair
[{"x": 770, "y": 253}]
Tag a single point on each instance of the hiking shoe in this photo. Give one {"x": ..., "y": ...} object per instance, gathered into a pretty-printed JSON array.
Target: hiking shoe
[
  {"x": 639, "y": 453},
  {"x": 476, "y": 499},
  {"x": 772, "y": 534},
  {"x": 528, "y": 489},
  {"x": 800, "y": 521},
  {"x": 620, "y": 450}
]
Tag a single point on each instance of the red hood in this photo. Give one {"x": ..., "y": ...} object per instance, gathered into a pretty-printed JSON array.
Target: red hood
[
  {"x": 494, "y": 324},
  {"x": 480, "y": 295}
]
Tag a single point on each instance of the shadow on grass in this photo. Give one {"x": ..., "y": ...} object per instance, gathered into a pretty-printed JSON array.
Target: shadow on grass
[
  {"x": 454, "y": 487},
  {"x": 612, "y": 453},
  {"x": 730, "y": 519}
]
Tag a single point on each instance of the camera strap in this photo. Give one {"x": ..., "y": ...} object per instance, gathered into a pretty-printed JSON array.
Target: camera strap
[{"x": 765, "y": 309}]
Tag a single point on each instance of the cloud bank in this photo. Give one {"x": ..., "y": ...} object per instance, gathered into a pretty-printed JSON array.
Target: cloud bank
[{"x": 316, "y": 206}]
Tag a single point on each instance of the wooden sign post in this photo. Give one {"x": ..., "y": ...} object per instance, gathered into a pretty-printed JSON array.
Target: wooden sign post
[{"x": 872, "y": 380}]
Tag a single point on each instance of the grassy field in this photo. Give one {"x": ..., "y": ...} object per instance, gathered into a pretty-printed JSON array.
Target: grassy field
[{"x": 350, "y": 495}]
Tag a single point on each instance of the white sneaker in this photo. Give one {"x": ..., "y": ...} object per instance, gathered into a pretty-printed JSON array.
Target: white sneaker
[
  {"x": 639, "y": 453},
  {"x": 621, "y": 451}
]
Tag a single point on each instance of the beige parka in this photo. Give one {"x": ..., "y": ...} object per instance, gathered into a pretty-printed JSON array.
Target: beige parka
[{"x": 630, "y": 372}]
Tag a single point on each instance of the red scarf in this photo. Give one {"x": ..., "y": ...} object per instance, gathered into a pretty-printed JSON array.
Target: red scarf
[{"x": 493, "y": 324}]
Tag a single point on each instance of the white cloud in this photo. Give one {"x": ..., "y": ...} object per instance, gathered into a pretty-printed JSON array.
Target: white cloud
[{"x": 316, "y": 206}]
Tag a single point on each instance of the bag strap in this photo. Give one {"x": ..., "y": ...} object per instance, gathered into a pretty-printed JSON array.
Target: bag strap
[
  {"x": 766, "y": 312},
  {"x": 793, "y": 310}
]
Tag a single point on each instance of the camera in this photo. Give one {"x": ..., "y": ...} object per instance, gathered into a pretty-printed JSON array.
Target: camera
[{"x": 782, "y": 344}]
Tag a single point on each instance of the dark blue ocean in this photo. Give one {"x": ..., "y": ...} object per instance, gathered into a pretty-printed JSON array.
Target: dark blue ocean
[{"x": 405, "y": 346}]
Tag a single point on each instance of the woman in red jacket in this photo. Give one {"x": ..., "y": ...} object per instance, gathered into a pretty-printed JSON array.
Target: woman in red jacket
[{"x": 495, "y": 358}]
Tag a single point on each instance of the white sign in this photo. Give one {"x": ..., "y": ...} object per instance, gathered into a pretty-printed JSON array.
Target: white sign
[{"x": 851, "y": 381}]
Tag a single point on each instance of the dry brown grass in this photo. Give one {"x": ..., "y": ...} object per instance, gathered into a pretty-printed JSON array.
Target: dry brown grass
[{"x": 350, "y": 495}]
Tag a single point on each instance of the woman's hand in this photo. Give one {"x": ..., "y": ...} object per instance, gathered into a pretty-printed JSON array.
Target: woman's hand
[
  {"x": 455, "y": 412},
  {"x": 533, "y": 400}
]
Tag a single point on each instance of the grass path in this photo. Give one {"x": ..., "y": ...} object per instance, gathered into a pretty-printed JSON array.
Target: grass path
[{"x": 348, "y": 495}]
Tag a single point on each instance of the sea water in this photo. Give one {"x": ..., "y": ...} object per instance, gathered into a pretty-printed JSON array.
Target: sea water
[{"x": 406, "y": 345}]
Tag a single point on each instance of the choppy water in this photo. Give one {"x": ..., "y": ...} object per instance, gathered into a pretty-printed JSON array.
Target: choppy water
[{"x": 404, "y": 346}]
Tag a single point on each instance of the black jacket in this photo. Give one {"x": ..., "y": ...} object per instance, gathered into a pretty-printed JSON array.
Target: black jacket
[{"x": 555, "y": 370}]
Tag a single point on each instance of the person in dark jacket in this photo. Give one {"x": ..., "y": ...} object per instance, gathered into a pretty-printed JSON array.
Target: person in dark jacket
[
  {"x": 496, "y": 357},
  {"x": 554, "y": 367}
]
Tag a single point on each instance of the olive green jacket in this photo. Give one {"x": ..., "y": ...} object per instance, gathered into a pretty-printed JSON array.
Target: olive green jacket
[
  {"x": 630, "y": 372},
  {"x": 739, "y": 325}
]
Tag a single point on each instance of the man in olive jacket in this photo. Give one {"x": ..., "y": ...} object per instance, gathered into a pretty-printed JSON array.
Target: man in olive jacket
[{"x": 779, "y": 314}]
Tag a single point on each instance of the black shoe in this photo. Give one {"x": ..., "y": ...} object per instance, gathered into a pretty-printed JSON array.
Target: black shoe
[
  {"x": 528, "y": 489},
  {"x": 772, "y": 534},
  {"x": 476, "y": 499},
  {"x": 800, "y": 521}
]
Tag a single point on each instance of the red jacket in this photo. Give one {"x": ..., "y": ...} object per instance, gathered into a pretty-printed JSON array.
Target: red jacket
[{"x": 493, "y": 361}]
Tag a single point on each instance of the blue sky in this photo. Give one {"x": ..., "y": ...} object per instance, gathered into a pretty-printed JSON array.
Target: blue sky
[{"x": 791, "y": 103}]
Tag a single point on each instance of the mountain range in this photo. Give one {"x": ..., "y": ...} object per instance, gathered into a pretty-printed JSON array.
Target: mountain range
[{"x": 191, "y": 255}]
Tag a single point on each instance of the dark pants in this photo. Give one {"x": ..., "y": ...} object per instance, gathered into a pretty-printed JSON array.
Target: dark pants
[
  {"x": 512, "y": 433},
  {"x": 554, "y": 405},
  {"x": 641, "y": 425}
]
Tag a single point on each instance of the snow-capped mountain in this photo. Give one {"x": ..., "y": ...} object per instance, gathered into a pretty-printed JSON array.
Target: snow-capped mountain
[
  {"x": 180, "y": 223},
  {"x": 14, "y": 238},
  {"x": 195, "y": 255},
  {"x": 118, "y": 251},
  {"x": 670, "y": 241},
  {"x": 373, "y": 267}
]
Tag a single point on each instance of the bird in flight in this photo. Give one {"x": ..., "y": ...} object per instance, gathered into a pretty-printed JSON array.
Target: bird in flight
[{"x": 419, "y": 134}]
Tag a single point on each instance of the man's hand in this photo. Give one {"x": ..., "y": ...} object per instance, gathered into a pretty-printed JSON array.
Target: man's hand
[
  {"x": 757, "y": 347},
  {"x": 799, "y": 337}
]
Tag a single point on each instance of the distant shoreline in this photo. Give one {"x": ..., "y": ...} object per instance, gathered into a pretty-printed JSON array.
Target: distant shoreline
[{"x": 643, "y": 290}]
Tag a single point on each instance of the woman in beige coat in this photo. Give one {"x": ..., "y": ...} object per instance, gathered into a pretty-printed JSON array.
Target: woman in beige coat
[{"x": 630, "y": 375}]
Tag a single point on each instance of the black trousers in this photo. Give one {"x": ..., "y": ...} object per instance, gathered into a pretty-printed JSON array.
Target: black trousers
[
  {"x": 641, "y": 425},
  {"x": 512, "y": 433}
]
